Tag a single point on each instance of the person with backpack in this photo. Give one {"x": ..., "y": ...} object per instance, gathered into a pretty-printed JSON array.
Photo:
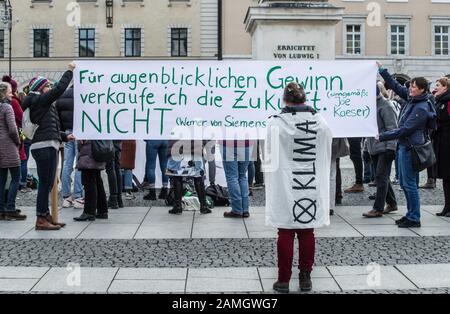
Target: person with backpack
[
  {"x": 192, "y": 151},
  {"x": 46, "y": 140},
  {"x": 412, "y": 127},
  {"x": 442, "y": 139},
  {"x": 95, "y": 204},
  {"x": 9, "y": 155}
]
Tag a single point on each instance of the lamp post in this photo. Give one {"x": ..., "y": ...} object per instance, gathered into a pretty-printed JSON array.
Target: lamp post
[{"x": 7, "y": 20}]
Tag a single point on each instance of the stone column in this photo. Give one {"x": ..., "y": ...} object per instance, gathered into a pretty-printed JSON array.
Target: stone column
[{"x": 293, "y": 30}]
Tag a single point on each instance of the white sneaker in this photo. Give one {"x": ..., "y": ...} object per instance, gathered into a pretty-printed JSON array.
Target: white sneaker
[
  {"x": 129, "y": 196},
  {"x": 78, "y": 203},
  {"x": 68, "y": 202}
]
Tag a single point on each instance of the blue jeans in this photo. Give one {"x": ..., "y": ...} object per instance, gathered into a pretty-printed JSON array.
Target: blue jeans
[
  {"x": 408, "y": 183},
  {"x": 24, "y": 165},
  {"x": 13, "y": 188},
  {"x": 70, "y": 155},
  {"x": 46, "y": 168},
  {"x": 235, "y": 164},
  {"x": 127, "y": 179},
  {"x": 156, "y": 148}
]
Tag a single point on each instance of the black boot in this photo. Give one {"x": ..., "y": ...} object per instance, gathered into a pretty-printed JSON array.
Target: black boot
[
  {"x": 446, "y": 211},
  {"x": 120, "y": 200},
  {"x": 201, "y": 193},
  {"x": 151, "y": 196},
  {"x": 112, "y": 202},
  {"x": 177, "y": 186},
  {"x": 305, "y": 281},
  {"x": 163, "y": 194}
]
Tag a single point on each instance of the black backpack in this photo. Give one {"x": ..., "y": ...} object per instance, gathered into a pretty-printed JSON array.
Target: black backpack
[
  {"x": 218, "y": 194},
  {"x": 102, "y": 150}
]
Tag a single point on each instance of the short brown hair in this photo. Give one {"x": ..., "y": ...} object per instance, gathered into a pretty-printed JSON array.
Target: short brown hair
[
  {"x": 294, "y": 94},
  {"x": 444, "y": 81},
  {"x": 421, "y": 83}
]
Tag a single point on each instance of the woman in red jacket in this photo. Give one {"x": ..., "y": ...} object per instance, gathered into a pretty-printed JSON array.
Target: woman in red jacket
[{"x": 18, "y": 115}]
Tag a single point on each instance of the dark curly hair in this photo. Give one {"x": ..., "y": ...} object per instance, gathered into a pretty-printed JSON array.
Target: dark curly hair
[{"x": 294, "y": 94}]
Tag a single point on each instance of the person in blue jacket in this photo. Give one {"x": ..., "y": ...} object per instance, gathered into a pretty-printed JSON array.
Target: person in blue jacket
[{"x": 412, "y": 127}]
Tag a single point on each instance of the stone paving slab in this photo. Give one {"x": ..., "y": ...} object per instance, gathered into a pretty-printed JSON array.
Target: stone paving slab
[
  {"x": 223, "y": 280},
  {"x": 109, "y": 231},
  {"x": 22, "y": 272},
  {"x": 14, "y": 229},
  {"x": 428, "y": 276},
  {"x": 63, "y": 280},
  {"x": 164, "y": 231},
  {"x": 384, "y": 231},
  {"x": 361, "y": 278},
  {"x": 147, "y": 286},
  {"x": 17, "y": 285}
]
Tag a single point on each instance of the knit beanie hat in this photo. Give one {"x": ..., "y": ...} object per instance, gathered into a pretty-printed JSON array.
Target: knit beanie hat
[
  {"x": 37, "y": 83},
  {"x": 9, "y": 80}
]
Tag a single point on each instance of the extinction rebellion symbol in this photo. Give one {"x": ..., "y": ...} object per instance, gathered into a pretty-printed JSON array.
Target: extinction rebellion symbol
[{"x": 304, "y": 210}]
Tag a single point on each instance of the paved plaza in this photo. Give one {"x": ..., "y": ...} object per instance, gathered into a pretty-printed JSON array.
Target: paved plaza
[{"x": 143, "y": 249}]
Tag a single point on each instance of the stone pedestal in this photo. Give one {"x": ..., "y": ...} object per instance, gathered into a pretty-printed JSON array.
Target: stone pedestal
[{"x": 293, "y": 30}]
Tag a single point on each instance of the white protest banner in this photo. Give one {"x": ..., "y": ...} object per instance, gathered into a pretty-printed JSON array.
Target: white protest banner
[{"x": 216, "y": 99}]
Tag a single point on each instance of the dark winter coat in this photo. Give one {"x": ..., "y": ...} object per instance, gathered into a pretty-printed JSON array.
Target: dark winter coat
[
  {"x": 85, "y": 159},
  {"x": 43, "y": 111},
  {"x": 64, "y": 105},
  {"x": 413, "y": 116},
  {"x": 442, "y": 136}
]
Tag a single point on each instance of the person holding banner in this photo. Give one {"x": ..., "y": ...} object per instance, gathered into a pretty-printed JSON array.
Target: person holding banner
[
  {"x": 298, "y": 145},
  {"x": 46, "y": 141},
  {"x": 412, "y": 126}
]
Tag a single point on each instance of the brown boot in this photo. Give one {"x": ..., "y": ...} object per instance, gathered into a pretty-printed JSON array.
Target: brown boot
[
  {"x": 14, "y": 215},
  {"x": 390, "y": 209},
  {"x": 356, "y": 188},
  {"x": 43, "y": 224},
  {"x": 373, "y": 214},
  {"x": 50, "y": 220}
]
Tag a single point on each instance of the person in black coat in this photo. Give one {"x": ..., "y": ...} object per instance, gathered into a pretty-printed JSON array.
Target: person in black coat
[
  {"x": 46, "y": 140},
  {"x": 64, "y": 106},
  {"x": 442, "y": 139}
]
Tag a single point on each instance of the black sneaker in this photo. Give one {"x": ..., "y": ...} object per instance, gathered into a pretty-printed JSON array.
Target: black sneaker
[
  {"x": 163, "y": 194},
  {"x": 85, "y": 217},
  {"x": 409, "y": 224},
  {"x": 246, "y": 215},
  {"x": 102, "y": 216},
  {"x": 151, "y": 196},
  {"x": 282, "y": 287},
  {"x": 401, "y": 220}
]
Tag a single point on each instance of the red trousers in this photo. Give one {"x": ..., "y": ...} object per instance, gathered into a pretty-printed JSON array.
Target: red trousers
[{"x": 285, "y": 248}]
